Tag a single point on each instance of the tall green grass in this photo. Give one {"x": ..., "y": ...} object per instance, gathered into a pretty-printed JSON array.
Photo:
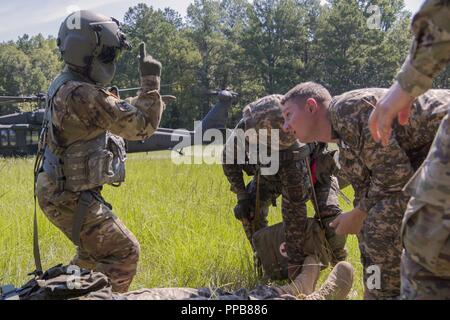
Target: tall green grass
[{"x": 181, "y": 214}]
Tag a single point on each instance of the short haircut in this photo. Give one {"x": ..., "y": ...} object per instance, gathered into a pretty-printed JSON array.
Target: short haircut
[{"x": 308, "y": 90}]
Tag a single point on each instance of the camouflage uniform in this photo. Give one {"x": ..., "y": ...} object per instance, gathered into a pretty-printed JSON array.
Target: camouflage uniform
[
  {"x": 82, "y": 111},
  {"x": 291, "y": 181},
  {"x": 378, "y": 174},
  {"x": 426, "y": 225}
]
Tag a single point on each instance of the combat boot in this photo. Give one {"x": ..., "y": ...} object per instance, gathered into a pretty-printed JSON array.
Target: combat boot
[
  {"x": 338, "y": 284},
  {"x": 305, "y": 282}
]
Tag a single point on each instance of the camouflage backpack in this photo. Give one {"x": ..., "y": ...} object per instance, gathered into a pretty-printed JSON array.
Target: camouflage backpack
[{"x": 62, "y": 283}]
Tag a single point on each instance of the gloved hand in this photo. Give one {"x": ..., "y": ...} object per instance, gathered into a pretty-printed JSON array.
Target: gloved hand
[
  {"x": 147, "y": 65},
  {"x": 243, "y": 209}
]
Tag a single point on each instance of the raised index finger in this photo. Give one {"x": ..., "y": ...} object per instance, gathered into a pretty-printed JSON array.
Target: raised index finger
[{"x": 142, "y": 52}]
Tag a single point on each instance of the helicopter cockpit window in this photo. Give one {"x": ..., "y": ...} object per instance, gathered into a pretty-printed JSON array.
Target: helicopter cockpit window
[
  {"x": 3, "y": 138},
  {"x": 32, "y": 137},
  {"x": 12, "y": 138}
]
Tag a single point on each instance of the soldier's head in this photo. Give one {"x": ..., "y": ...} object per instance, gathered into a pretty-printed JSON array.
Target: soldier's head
[
  {"x": 90, "y": 44},
  {"x": 304, "y": 109},
  {"x": 264, "y": 116}
]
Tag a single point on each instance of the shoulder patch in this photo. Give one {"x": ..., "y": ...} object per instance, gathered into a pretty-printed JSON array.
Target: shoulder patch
[{"x": 124, "y": 106}]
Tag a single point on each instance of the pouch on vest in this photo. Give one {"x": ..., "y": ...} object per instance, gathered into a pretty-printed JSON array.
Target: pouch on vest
[
  {"x": 270, "y": 247},
  {"x": 67, "y": 283},
  {"x": 107, "y": 166},
  {"x": 89, "y": 164}
]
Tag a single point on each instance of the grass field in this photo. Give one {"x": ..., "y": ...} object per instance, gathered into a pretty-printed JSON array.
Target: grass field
[{"x": 181, "y": 214}]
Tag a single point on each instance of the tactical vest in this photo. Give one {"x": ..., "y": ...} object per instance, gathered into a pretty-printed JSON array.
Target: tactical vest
[
  {"x": 292, "y": 154},
  {"x": 83, "y": 165}
]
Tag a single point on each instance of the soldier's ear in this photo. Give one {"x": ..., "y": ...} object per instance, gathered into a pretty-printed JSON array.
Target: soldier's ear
[
  {"x": 312, "y": 105},
  {"x": 115, "y": 91}
]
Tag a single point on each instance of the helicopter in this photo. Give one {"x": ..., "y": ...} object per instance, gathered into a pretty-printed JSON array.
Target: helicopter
[{"x": 19, "y": 132}]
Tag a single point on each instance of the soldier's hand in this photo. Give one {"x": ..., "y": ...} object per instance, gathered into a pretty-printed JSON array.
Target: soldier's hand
[
  {"x": 349, "y": 223},
  {"x": 148, "y": 66},
  {"x": 395, "y": 104},
  {"x": 243, "y": 210}
]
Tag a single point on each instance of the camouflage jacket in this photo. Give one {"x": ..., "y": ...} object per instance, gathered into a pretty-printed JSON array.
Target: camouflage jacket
[
  {"x": 234, "y": 171},
  {"x": 291, "y": 176},
  {"x": 376, "y": 172},
  {"x": 430, "y": 52},
  {"x": 82, "y": 110}
]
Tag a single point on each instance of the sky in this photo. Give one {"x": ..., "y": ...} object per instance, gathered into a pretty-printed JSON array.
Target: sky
[{"x": 45, "y": 16}]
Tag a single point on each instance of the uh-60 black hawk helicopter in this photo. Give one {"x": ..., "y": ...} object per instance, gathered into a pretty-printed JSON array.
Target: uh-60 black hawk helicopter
[{"x": 19, "y": 132}]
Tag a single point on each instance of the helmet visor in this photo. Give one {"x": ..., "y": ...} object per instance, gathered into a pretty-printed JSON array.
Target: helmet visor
[{"x": 110, "y": 54}]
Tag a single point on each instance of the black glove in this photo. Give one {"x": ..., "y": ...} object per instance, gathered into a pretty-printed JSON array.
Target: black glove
[
  {"x": 243, "y": 209},
  {"x": 147, "y": 65}
]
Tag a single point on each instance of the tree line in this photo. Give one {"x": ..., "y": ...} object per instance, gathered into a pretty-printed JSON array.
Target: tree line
[{"x": 255, "y": 48}]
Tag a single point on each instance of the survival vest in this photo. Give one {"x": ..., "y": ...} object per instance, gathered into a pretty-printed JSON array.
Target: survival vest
[{"x": 83, "y": 165}]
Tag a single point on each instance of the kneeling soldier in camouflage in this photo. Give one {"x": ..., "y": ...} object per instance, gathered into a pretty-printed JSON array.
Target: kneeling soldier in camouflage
[
  {"x": 377, "y": 173},
  {"x": 292, "y": 181},
  {"x": 82, "y": 145}
]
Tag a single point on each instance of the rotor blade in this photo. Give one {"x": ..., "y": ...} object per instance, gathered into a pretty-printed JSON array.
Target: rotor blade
[
  {"x": 139, "y": 88},
  {"x": 12, "y": 99},
  {"x": 129, "y": 89},
  {"x": 209, "y": 92},
  {"x": 3, "y": 102}
]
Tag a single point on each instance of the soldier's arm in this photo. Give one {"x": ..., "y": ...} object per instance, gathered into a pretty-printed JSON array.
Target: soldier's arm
[
  {"x": 235, "y": 178},
  {"x": 232, "y": 169},
  {"x": 430, "y": 52},
  {"x": 95, "y": 106},
  {"x": 355, "y": 171},
  {"x": 345, "y": 116},
  {"x": 295, "y": 185},
  {"x": 389, "y": 168}
]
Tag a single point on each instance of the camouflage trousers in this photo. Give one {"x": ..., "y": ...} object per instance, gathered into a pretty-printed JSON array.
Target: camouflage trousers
[
  {"x": 426, "y": 226},
  {"x": 380, "y": 246},
  {"x": 420, "y": 284},
  {"x": 106, "y": 245},
  {"x": 270, "y": 190}
]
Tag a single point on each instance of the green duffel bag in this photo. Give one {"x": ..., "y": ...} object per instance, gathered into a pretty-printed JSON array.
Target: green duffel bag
[{"x": 270, "y": 247}]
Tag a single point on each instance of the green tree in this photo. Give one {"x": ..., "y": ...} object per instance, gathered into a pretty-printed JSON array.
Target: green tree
[
  {"x": 351, "y": 54},
  {"x": 27, "y": 67},
  {"x": 166, "y": 40},
  {"x": 274, "y": 42},
  {"x": 203, "y": 23}
]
